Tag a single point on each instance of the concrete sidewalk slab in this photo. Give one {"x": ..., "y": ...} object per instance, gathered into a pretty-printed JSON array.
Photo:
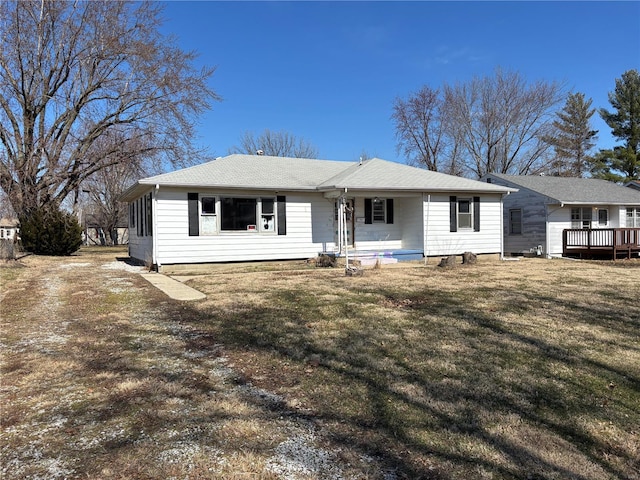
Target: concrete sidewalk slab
[{"x": 173, "y": 288}]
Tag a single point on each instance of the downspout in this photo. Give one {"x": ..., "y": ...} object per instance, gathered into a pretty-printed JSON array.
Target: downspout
[
  {"x": 502, "y": 225},
  {"x": 546, "y": 231},
  {"x": 426, "y": 226},
  {"x": 154, "y": 234}
]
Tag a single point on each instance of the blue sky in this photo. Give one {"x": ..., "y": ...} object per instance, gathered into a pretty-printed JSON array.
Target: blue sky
[{"x": 330, "y": 71}]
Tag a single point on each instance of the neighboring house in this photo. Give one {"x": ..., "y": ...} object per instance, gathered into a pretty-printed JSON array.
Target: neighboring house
[
  {"x": 8, "y": 228},
  {"x": 248, "y": 208},
  {"x": 94, "y": 234},
  {"x": 544, "y": 207},
  {"x": 635, "y": 184}
]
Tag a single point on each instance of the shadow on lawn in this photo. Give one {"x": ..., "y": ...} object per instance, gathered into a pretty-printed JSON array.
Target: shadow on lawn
[{"x": 432, "y": 412}]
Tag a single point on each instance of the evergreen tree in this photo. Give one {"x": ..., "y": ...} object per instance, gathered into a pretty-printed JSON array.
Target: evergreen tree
[
  {"x": 573, "y": 137},
  {"x": 622, "y": 162},
  {"x": 49, "y": 231}
]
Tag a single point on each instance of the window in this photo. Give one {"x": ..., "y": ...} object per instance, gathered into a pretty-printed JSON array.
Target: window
[
  {"x": 140, "y": 218},
  {"x": 132, "y": 215},
  {"x": 581, "y": 217},
  {"x": 633, "y": 217},
  {"x": 515, "y": 222},
  {"x": 267, "y": 215},
  {"x": 603, "y": 217},
  {"x": 241, "y": 214},
  {"x": 212, "y": 214},
  {"x": 208, "y": 205},
  {"x": 379, "y": 215},
  {"x": 149, "y": 213},
  {"x": 238, "y": 214},
  {"x": 208, "y": 217},
  {"x": 378, "y": 210},
  {"x": 465, "y": 216}
]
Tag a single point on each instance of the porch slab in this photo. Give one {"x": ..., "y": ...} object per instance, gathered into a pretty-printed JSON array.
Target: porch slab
[{"x": 371, "y": 257}]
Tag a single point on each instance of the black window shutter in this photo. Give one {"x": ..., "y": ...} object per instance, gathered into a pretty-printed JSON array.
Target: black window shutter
[
  {"x": 282, "y": 214},
  {"x": 368, "y": 211},
  {"x": 389, "y": 210},
  {"x": 476, "y": 214},
  {"x": 453, "y": 214},
  {"x": 194, "y": 221}
]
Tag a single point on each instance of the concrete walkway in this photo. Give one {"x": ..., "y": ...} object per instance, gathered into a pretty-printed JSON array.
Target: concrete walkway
[{"x": 173, "y": 288}]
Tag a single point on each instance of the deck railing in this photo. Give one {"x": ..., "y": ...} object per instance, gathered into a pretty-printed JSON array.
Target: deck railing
[{"x": 601, "y": 241}]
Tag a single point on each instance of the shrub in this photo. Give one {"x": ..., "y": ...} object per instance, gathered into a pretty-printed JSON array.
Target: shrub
[{"x": 49, "y": 231}]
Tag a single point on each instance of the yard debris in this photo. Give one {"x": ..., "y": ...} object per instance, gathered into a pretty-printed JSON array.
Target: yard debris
[
  {"x": 353, "y": 271},
  {"x": 449, "y": 261},
  {"x": 469, "y": 258},
  {"x": 325, "y": 261}
]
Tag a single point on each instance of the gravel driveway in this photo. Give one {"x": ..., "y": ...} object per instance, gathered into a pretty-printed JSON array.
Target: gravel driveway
[{"x": 105, "y": 377}]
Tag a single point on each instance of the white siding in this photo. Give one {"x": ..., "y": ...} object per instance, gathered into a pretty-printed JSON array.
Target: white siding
[
  {"x": 377, "y": 236},
  {"x": 560, "y": 219},
  {"x": 441, "y": 241},
  {"x": 410, "y": 213},
  {"x": 311, "y": 230},
  {"x": 140, "y": 247},
  {"x": 303, "y": 239}
]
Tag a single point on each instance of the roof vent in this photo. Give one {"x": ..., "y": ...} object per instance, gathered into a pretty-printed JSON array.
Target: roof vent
[{"x": 260, "y": 152}]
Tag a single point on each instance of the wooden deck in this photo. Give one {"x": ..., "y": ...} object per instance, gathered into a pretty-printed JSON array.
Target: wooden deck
[{"x": 601, "y": 242}]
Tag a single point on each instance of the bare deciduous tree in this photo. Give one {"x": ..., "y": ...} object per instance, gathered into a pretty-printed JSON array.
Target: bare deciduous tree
[
  {"x": 101, "y": 207},
  {"x": 70, "y": 72},
  {"x": 421, "y": 131},
  {"x": 275, "y": 144},
  {"x": 500, "y": 122}
]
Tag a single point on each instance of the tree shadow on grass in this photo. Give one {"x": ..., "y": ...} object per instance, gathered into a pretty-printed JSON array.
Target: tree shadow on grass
[{"x": 428, "y": 421}]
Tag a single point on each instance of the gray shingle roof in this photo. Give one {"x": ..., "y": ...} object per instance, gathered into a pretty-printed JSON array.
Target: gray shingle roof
[
  {"x": 571, "y": 190},
  {"x": 253, "y": 171},
  {"x": 297, "y": 174},
  {"x": 377, "y": 174}
]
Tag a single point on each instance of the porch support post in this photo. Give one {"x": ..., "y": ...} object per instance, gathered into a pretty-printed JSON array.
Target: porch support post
[{"x": 340, "y": 224}]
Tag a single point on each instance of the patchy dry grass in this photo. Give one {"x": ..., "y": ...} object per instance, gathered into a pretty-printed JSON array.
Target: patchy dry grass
[
  {"x": 524, "y": 369},
  {"x": 105, "y": 378},
  {"x": 507, "y": 370}
]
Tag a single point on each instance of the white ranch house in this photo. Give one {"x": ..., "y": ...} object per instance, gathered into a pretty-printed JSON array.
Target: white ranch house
[
  {"x": 252, "y": 208},
  {"x": 556, "y": 216}
]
